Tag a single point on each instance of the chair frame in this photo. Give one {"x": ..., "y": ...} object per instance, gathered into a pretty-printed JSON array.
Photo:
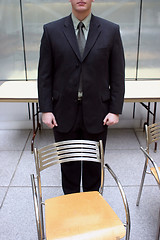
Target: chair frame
[
  {"x": 152, "y": 136},
  {"x": 97, "y": 155}
]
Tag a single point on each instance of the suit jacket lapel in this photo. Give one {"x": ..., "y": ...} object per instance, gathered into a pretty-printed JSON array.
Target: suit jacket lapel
[
  {"x": 94, "y": 31},
  {"x": 71, "y": 36},
  {"x": 93, "y": 34}
]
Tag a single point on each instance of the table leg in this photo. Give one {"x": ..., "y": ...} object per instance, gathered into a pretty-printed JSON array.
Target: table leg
[
  {"x": 37, "y": 113},
  {"x": 148, "y": 113},
  {"x": 35, "y": 128},
  {"x": 154, "y": 120},
  {"x": 147, "y": 107}
]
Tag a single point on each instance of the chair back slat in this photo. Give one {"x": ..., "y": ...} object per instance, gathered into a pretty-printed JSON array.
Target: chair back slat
[
  {"x": 74, "y": 150},
  {"x": 50, "y": 163},
  {"x": 153, "y": 132},
  {"x": 64, "y": 145}
]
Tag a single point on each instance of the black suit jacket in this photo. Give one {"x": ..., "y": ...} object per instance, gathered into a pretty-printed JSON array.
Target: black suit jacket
[{"x": 102, "y": 68}]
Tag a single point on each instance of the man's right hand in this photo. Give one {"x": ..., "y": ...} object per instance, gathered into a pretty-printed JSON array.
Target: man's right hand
[{"x": 49, "y": 119}]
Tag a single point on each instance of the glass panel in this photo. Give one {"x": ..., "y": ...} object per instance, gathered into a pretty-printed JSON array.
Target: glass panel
[
  {"x": 36, "y": 14},
  {"x": 126, "y": 14},
  {"x": 11, "y": 54},
  {"x": 149, "y": 64}
]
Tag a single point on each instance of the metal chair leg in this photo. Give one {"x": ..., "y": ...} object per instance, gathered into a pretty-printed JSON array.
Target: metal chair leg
[
  {"x": 158, "y": 228},
  {"x": 142, "y": 182},
  {"x": 125, "y": 202},
  {"x": 36, "y": 208}
]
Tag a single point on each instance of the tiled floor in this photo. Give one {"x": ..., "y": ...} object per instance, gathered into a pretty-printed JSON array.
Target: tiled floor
[{"x": 17, "y": 221}]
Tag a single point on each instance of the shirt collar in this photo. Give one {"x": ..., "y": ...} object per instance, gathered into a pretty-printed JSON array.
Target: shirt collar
[{"x": 86, "y": 21}]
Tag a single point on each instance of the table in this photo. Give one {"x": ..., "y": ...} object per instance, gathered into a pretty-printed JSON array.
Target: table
[
  {"x": 22, "y": 91},
  {"x": 143, "y": 91},
  {"x": 26, "y": 91}
]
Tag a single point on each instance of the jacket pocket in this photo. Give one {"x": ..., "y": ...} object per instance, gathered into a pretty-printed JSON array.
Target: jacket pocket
[{"x": 104, "y": 51}]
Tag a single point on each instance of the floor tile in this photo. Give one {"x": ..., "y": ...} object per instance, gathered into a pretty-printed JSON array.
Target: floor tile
[
  {"x": 17, "y": 219},
  {"x": 3, "y": 191},
  {"x": 144, "y": 217},
  {"x": 26, "y": 167},
  {"x": 128, "y": 166},
  {"x": 13, "y": 139},
  {"x": 9, "y": 161},
  {"x": 51, "y": 176},
  {"x": 50, "y": 192},
  {"x": 141, "y": 137},
  {"x": 123, "y": 154},
  {"x": 121, "y": 139}
]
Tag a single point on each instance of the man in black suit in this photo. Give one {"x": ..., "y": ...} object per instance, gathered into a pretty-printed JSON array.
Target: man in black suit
[{"x": 81, "y": 85}]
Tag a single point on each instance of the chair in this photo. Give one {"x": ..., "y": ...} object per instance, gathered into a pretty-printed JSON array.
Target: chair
[
  {"x": 150, "y": 167},
  {"x": 78, "y": 216}
]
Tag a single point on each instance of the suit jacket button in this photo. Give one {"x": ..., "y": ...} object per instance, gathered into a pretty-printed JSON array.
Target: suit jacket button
[{"x": 77, "y": 65}]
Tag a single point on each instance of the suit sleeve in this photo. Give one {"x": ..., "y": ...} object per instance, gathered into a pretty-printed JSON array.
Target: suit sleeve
[
  {"x": 117, "y": 75},
  {"x": 45, "y": 74}
]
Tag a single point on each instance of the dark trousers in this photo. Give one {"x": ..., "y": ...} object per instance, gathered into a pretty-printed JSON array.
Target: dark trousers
[{"x": 72, "y": 171}]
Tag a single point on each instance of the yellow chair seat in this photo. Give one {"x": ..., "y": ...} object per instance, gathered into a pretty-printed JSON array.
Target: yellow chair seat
[
  {"x": 155, "y": 173},
  {"x": 81, "y": 216}
]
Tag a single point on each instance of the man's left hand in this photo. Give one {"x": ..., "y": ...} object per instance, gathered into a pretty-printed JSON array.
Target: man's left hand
[{"x": 111, "y": 119}]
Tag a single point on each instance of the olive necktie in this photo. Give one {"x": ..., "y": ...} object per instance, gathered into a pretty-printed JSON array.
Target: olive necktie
[
  {"x": 81, "y": 43},
  {"x": 81, "y": 38}
]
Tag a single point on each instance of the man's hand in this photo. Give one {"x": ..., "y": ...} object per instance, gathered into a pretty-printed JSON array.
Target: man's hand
[
  {"x": 111, "y": 119},
  {"x": 49, "y": 119}
]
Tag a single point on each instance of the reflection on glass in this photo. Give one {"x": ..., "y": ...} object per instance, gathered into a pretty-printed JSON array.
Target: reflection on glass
[
  {"x": 11, "y": 54},
  {"x": 149, "y": 64},
  {"x": 126, "y": 14},
  {"x": 36, "y": 14}
]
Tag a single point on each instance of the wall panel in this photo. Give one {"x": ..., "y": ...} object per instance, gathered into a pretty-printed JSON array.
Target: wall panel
[
  {"x": 149, "y": 61},
  {"x": 11, "y": 50},
  {"x": 38, "y": 12}
]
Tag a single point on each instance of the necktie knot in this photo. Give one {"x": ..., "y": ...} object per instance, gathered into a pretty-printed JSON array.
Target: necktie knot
[{"x": 80, "y": 25}]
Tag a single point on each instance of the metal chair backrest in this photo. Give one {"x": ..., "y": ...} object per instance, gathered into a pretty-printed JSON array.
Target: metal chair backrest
[
  {"x": 70, "y": 150},
  {"x": 152, "y": 133}
]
